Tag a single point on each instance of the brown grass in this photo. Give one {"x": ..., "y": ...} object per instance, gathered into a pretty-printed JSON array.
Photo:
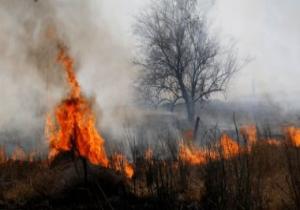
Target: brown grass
[{"x": 266, "y": 178}]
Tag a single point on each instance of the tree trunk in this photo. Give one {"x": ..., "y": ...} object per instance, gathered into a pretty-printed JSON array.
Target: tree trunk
[
  {"x": 190, "y": 108},
  {"x": 189, "y": 102}
]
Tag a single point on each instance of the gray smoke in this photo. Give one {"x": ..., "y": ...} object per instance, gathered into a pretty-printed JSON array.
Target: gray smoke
[{"x": 31, "y": 80}]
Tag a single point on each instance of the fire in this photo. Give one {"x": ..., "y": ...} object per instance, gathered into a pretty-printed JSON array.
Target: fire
[
  {"x": 191, "y": 154},
  {"x": 74, "y": 126},
  {"x": 229, "y": 147},
  {"x": 293, "y": 135},
  {"x": 74, "y": 129},
  {"x": 68, "y": 65},
  {"x": 197, "y": 156},
  {"x": 249, "y": 132},
  {"x": 121, "y": 164},
  {"x": 128, "y": 169},
  {"x": 273, "y": 142}
]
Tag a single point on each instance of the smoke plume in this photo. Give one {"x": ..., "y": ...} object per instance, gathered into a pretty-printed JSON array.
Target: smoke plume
[{"x": 31, "y": 80}]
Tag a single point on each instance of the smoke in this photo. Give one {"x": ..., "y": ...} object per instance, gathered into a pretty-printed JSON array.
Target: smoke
[{"x": 32, "y": 82}]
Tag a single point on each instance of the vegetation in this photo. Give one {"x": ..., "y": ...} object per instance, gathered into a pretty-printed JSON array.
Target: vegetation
[
  {"x": 263, "y": 176},
  {"x": 181, "y": 61}
]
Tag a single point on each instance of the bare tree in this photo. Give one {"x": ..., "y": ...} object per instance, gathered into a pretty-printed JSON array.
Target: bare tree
[{"x": 180, "y": 61}]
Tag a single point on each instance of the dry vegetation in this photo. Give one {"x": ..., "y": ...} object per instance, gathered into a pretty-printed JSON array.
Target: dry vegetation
[{"x": 264, "y": 177}]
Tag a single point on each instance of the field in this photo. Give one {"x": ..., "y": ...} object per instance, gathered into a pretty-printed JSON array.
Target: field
[{"x": 242, "y": 173}]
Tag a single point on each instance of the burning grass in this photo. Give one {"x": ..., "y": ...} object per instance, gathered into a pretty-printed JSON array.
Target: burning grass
[
  {"x": 224, "y": 175},
  {"x": 74, "y": 128},
  {"x": 240, "y": 172}
]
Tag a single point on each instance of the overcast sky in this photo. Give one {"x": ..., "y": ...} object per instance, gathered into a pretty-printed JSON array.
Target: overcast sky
[{"x": 268, "y": 31}]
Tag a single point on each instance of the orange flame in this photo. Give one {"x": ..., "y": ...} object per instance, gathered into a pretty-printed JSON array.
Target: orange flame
[
  {"x": 273, "y": 142},
  {"x": 229, "y": 147},
  {"x": 121, "y": 164},
  {"x": 293, "y": 135},
  {"x": 68, "y": 64},
  {"x": 197, "y": 156},
  {"x": 191, "y": 155},
  {"x": 75, "y": 122}
]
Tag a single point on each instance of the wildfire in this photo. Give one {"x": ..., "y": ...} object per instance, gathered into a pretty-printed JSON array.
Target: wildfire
[
  {"x": 74, "y": 126},
  {"x": 191, "y": 154},
  {"x": 229, "y": 147},
  {"x": 249, "y": 132},
  {"x": 196, "y": 156},
  {"x": 293, "y": 135},
  {"x": 75, "y": 122},
  {"x": 68, "y": 65},
  {"x": 273, "y": 142},
  {"x": 121, "y": 164}
]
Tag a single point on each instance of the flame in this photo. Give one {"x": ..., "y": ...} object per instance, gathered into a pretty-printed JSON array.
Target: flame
[
  {"x": 249, "y": 132},
  {"x": 191, "y": 154},
  {"x": 197, "y": 156},
  {"x": 72, "y": 128},
  {"x": 68, "y": 65},
  {"x": 129, "y": 171},
  {"x": 121, "y": 164},
  {"x": 75, "y": 122},
  {"x": 229, "y": 147},
  {"x": 293, "y": 135},
  {"x": 273, "y": 142}
]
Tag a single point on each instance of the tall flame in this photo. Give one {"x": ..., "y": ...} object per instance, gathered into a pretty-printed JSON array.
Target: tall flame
[
  {"x": 74, "y": 128},
  {"x": 229, "y": 147},
  {"x": 293, "y": 135}
]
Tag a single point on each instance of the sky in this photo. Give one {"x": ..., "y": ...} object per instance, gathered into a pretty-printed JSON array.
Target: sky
[
  {"x": 266, "y": 31},
  {"x": 269, "y": 32}
]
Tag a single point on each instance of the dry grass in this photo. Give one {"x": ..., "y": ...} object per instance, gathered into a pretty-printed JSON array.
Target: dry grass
[{"x": 266, "y": 178}]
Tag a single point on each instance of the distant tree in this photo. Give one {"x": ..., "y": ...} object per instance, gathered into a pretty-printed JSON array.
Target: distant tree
[{"x": 180, "y": 61}]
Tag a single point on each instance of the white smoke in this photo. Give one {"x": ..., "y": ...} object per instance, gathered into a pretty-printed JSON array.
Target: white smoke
[{"x": 31, "y": 82}]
